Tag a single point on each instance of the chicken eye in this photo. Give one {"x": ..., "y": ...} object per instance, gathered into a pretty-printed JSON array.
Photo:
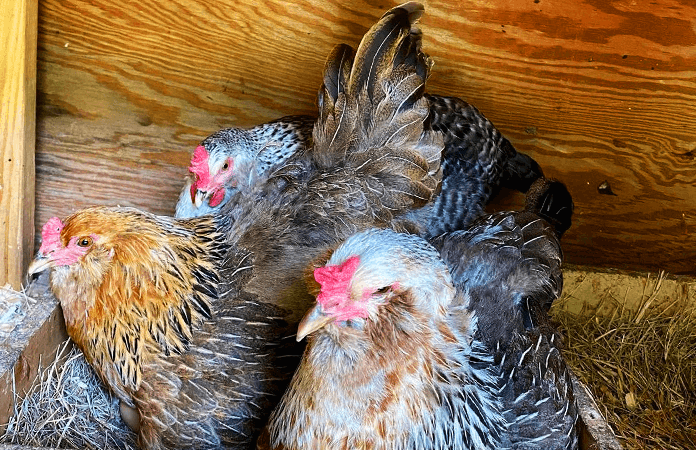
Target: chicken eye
[
  {"x": 383, "y": 290},
  {"x": 226, "y": 166},
  {"x": 84, "y": 241}
]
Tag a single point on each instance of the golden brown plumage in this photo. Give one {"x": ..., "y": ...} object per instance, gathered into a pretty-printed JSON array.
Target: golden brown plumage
[
  {"x": 192, "y": 321},
  {"x": 138, "y": 293}
]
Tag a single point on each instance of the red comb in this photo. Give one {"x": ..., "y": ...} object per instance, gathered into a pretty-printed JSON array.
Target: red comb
[
  {"x": 199, "y": 162},
  {"x": 50, "y": 235},
  {"x": 334, "y": 295}
]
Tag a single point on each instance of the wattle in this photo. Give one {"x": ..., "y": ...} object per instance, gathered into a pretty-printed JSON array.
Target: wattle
[{"x": 217, "y": 197}]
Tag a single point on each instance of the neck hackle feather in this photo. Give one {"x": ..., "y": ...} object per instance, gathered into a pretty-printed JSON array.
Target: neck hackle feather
[{"x": 156, "y": 281}]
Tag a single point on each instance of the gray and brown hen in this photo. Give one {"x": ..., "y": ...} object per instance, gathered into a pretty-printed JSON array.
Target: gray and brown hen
[{"x": 412, "y": 347}]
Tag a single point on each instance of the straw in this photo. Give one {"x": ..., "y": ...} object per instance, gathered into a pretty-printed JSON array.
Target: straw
[
  {"x": 640, "y": 365},
  {"x": 68, "y": 407}
]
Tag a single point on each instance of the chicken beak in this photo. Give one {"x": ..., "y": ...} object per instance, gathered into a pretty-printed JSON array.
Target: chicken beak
[
  {"x": 314, "y": 320},
  {"x": 199, "y": 198},
  {"x": 41, "y": 263}
]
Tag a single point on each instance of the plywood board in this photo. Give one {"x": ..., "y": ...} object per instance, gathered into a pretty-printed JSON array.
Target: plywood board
[
  {"x": 31, "y": 345},
  {"x": 595, "y": 91}
]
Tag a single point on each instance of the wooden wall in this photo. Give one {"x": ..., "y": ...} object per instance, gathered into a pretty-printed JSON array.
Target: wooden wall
[
  {"x": 18, "y": 32},
  {"x": 595, "y": 90}
]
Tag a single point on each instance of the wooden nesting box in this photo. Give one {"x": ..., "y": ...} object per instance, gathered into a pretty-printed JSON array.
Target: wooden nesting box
[{"x": 601, "y": 93}]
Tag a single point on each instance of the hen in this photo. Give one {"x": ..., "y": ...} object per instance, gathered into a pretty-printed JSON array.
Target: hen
[
  {"x": 187, "y": 321},
  {"x": 508, "y": 267},
  {"x": 476, "y": 162},
  {"x": 235, "y": 158},
  {"x": 415, "y": 348}
]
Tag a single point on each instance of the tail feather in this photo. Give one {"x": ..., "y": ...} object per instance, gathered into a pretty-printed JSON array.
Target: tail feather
[
  {"x": 372, "y": 112},
  {"x": 520, "y": 170},
  {"x": 551, "y": 200},
  {"x": 336, "y": 73},
  {"x": 476, "y": 162},
  {"x": 378, "y": 49}
]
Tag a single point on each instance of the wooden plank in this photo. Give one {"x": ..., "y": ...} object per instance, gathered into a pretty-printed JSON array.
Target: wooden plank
[
  {"x": 18, "y": 30},
  {"x": 595, "y": 432},
  {"x": 31, "y": 345},
  {"x": 593, "y": 90}
]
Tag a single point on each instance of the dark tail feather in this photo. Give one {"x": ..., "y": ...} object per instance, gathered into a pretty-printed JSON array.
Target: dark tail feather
[
  {"x": 476, "y": 162},
  {"x": 520, "y": 170},
  {"x": 551, "y": 200},
  {"x": 382, "y": 43},
  {"x": 336, "y": 74}
]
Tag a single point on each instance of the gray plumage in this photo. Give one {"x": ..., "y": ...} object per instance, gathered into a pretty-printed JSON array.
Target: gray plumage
[
  {"x": 452, "y": 349},
  {"x": 477, "y": 160},
  {"x": 254, "y": 153},
  {"x": 508, "y": 268}
]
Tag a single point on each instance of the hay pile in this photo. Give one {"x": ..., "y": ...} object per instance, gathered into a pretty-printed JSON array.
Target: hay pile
[
  {"x": 640, "y": 365},
  {"x": 68, "y": 407}
]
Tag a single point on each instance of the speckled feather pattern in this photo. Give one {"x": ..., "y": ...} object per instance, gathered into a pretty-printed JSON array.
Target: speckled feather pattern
[
  {"x": 476, "y": 162},
  {"x": 458, "y": 353},
  {"x": 508, "y": 267},
  {"x": 256, "y": 152}
]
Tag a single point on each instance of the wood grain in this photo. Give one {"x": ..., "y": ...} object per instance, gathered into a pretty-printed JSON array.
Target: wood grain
[
  {"x": 594, "y": 90},
  {"x": 18, "y": 31}
]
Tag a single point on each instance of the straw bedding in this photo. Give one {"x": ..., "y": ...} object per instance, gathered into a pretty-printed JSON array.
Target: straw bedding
[
  {"x": 68, "y": 407},
  {"x": 640, "y": 365}
]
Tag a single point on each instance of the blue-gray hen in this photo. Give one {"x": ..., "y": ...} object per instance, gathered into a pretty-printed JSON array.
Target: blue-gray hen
[
  {"x": 476, "y": 162},
  {"x": 235, "y": 159},
  {"x": 411, "y": 347}
]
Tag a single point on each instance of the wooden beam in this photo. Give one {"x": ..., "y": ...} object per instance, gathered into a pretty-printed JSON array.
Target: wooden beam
[{"x": 18, "y": 31}]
